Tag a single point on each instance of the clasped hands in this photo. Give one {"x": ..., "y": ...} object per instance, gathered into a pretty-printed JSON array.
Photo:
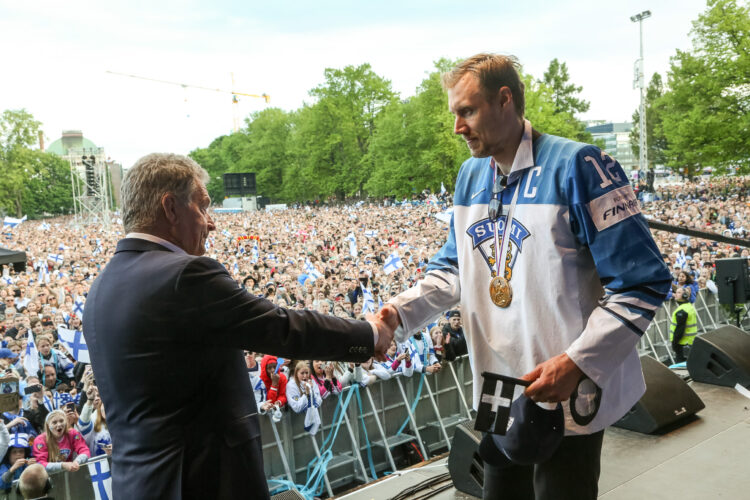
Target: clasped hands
[{"x": 386, "y": 321}]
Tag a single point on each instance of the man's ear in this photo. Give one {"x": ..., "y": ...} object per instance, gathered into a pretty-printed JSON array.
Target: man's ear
[
  {"x": 169, "y": 205},
  {"x": 504, "y": 96}
]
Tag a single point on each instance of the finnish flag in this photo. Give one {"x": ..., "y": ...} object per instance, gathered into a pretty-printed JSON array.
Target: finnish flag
[
  {"x": 78, "y": 306},
  {"x": 310, "y": 269},
  {"x": 101, "y": 479},
  {"x": 393, "y": 263},
  {"x": 55, "y": 257},
  {"x": 31, "y": 360},
  {"x": 368, "y": 304},
  {"x": 11, "y": 222},
  {"x": 442, "y": 188},
  {"x": 352, "y": 245},
  {"x": 371, "y": 233},
  {"x": 75, "y": 343}
]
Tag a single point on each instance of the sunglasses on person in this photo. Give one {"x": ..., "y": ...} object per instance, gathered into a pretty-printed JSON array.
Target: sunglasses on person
[{"x": 495, "y": 208}]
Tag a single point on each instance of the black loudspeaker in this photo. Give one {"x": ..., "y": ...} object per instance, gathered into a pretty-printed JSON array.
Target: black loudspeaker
[
  {"x": 721, "y": 357},
  {"x": 733, "y": 280},
  {"x": 239, "y": 184},
  {"x": 667, "y": 400},
  {"x": 288, "y": 495},
  {"x": 464, "y": 464}
]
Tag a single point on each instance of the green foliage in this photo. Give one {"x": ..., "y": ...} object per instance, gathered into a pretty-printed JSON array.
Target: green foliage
[
  {"x": 543, "y": 114},
  {"x": 32, "y": 182},
  {"x": 563, "y": 92},
  {"x": 414, "y": 146},
  {"x": 707, "y": 108}
]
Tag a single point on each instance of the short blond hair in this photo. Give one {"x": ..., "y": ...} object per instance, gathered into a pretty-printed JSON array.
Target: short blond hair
[
  {"x": 493, "y": 71},
  {"x": 149, "y": 179}
]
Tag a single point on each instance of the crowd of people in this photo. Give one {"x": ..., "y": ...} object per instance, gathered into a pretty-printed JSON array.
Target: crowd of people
[{"x": 344, "y": 261}]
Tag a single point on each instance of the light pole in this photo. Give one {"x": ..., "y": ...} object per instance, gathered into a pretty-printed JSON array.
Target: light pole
[{"x": 640, "y": 82}]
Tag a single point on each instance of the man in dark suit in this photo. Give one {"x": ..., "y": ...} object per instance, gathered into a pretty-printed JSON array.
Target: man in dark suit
[{"x": 166, "y": 329}]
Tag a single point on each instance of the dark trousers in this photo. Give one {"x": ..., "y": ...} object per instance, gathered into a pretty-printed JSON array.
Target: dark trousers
[{"x": 571, "y": 474}]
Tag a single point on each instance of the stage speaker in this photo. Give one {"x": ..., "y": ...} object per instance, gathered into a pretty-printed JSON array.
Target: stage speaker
[
  {"x": 288, "y": 495},
  {"x": 667, "y": 400},
  {"x": 733, "y": 280},
  {"x": 464, "y": 464},
  {"x": 721, "y": 357},
  {"x": 239, "y": 184}
]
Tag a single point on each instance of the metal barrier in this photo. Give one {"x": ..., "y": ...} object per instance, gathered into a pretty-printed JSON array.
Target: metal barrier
[{"x": 374, "y": 428}]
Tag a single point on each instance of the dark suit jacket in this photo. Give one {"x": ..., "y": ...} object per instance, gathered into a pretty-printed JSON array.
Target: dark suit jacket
[{"x": 166, "y": 333}]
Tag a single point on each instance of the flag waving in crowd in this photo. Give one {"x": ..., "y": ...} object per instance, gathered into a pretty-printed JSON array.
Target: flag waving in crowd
[{"x": 393, "y": 263}]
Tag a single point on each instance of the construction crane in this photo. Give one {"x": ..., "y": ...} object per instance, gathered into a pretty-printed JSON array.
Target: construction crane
[{"x": 235, "y": 99}]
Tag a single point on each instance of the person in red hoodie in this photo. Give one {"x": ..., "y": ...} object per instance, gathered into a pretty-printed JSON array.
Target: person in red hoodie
[{"x": 275, "y": 383}]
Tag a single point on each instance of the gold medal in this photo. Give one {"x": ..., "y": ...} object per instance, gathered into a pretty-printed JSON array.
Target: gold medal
[{"x": 500, "y": 292}]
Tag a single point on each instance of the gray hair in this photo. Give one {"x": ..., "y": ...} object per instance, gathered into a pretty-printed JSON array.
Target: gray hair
[{"x": 151, "y": 177}]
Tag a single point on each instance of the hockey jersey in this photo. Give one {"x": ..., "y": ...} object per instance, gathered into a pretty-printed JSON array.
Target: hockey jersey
[{"x": 586, "y": 275}]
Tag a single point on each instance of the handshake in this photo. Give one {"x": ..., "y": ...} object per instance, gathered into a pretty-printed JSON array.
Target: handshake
[{"x": 386, "y": 321}]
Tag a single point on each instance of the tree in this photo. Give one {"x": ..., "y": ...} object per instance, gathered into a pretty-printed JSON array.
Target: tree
[
  {"x": 656, "y": 142},
  {"x": 708, "y": 102},
  {"x": 414, "y": 146},
  {"x": 333, "y": 135},
  {"x": 543, "y": 114},
  {"x": 563, "y": 91},
  {"x": 47, "y": 190},
  {"x": 18, "y": 132}
]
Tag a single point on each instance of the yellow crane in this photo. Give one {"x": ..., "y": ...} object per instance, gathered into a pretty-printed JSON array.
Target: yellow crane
[{"x": 235, "y": 100}]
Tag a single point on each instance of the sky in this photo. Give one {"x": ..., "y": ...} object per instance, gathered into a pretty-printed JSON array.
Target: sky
[{"x": 55, "y": 56}]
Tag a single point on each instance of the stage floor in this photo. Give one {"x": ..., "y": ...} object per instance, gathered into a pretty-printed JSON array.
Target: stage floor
[{"x": 707, "y": 458}]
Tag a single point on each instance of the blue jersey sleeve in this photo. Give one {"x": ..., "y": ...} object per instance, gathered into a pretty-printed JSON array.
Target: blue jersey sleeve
[{"x": 605, "y": 216}]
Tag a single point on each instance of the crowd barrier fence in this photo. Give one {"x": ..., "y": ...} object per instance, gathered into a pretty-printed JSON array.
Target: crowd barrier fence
[{"x": 384, "y": 423}]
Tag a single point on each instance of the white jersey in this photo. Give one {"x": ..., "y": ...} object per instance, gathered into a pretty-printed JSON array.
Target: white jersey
[{"x": 585, "y": 272}]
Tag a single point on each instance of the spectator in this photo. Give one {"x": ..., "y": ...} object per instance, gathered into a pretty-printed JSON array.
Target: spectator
[
  {"x": 34, "y": 483},
  {"x": 274, "y": 383},
  {"x": 93, "y": 424},
  {"x": 424, "y": 353},
  {"x": 16, "y": 458},
  {"x": 60, "y": 447},
  {"x": 454, "y": 341},
  {"x": 53, "y": 357},
  {"x": 304, "y": 396},
  {"x": 398, "y": 360},
  {"x": 323, "y": 373}
]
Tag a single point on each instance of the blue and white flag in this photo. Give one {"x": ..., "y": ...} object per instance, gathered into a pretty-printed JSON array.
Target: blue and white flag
[
  {"x": 11, "y": 222},
  {"x": 352, "y": 244},
  {"x": 7, "y": 280},
  {"x": 311, "y": 271},
  {"x": 445, "y": 216},
  {"x": 270, "y": 256},
  {"x": 368, "y": 304},
  {"x": 57, "y": 258},
  {"x": 393, "y": 263},
  {"x": 226, "y": 233},
  {"x": 78, "y": 304},
  {"x": 52, "y": 404},
  {"x": 31, "y": 360},
  {"x": 371, "y": 233},
  {"x": 44, "y": 227},
  {"x": 255, "y": 254},
  {"x": 101, "y": 479},
  {"x": 75, "y": 343},
  {"x": 43, "y": 273},
  {"x": 442, "y": 188}
]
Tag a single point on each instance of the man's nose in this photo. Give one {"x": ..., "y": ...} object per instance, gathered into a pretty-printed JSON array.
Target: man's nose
[{"x": 459, "y": 127}]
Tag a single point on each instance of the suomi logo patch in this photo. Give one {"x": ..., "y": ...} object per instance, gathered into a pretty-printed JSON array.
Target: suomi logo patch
[{"x": 483, "y": 239}]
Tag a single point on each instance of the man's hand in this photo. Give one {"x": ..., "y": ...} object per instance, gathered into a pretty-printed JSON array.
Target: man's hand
[
  {"x": 385, "y": 334},
  {"x": 554, "y": 380},
  {"x": 389, "y": 315},
  {"x": 433, "y": 368}
]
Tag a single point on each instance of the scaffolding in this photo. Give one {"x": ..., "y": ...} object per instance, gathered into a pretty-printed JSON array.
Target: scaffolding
[{"x": 91, "y": 185}]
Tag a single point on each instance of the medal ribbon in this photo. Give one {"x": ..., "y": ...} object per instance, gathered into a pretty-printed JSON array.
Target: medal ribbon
[{"x": 500, "y": 246}]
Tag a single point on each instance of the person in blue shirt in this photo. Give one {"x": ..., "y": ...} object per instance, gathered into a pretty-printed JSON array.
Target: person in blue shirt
[{"x": 16, "y": 458}]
